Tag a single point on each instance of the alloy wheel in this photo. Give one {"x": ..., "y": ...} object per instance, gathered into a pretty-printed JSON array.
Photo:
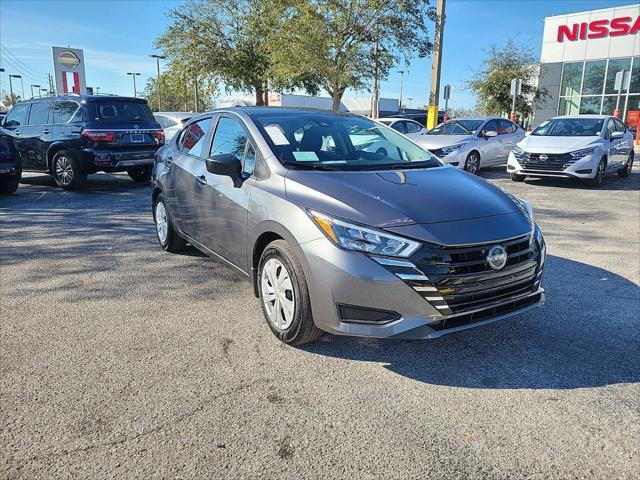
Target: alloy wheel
[
  {"x": 162, "y": 223},
  {"x": 277, "y": 293},
  {"x": 472, "y": 165},
  {"x": 64, "y": 170},
  {"x": 600, "y": 173},
  {"x": 629, "y": 166}
]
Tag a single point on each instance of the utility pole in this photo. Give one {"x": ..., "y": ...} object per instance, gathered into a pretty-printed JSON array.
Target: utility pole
[
  {"x": 51, "y": 89},
  {"x": 516, "y": 89},
  {"x": 401, "y": 72},
  {"x": 436, "y": 62},
  {"x": 195, "y": 91},
  {"x": 133, "y": 75},
  {"x": 158, "y": 58}
]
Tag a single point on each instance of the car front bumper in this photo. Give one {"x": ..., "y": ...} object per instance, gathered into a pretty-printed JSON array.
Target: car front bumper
[
  {"x": 584, "y": 168},
  {"x": 339, "y": 279}
]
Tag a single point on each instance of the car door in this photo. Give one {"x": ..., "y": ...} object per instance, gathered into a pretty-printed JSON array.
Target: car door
[
  {"x": 221, "y": 202},
  {"x": 509, "y": 135},
  {"x": 626, "y": 142},
  {"x": 186, "y": 159},
  {"x": 14, "y": 123},
  {"x": 616, "y": 146},
  {"x": 37, "y": 136},
  {"x": 491, "y": 149}
]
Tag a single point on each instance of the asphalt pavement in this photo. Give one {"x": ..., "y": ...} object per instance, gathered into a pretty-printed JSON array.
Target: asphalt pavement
[{"x": 118, "y": 360}]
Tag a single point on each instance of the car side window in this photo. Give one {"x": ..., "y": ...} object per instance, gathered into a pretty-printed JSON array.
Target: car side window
[
  {"x": 39, "y": 114},
  {"x": 507, "y": 127},
  {"x": 231, "y": 139},
  {"x": 399, "y": 127},
  {"x": 491, "y": 125},
  {"x": 611, "y": 128},
  {"x": 165, "y": 122},
  {"x": 194, "y": 136},
  {"x": 412, "y": 127},
  {"x": 620, "y": 127},
  {"x": 62, "y": 112},
  {"x": 17, "y": 116}
]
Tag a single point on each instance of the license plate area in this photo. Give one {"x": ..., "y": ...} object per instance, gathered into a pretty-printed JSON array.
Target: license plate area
[{"x": 136, "y": 137}]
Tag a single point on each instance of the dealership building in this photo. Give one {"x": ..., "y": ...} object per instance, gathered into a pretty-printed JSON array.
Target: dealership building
[{"x": 581, "y": 54}]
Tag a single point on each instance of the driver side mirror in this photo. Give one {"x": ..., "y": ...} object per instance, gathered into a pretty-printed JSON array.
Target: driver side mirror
[
  {"x": 225, "y": 164},
  {"x": 616, "y": 135},
  {"x": 489, "y": 134}
]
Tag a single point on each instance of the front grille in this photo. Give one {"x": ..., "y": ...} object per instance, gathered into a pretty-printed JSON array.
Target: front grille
[
  {"x": 465, "y": 281},
  {"x": 552, "y": 162}
]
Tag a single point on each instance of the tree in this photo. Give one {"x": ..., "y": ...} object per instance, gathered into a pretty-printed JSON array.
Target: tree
[
  {"x": 339, "y": 44},
  {"x": 177, "y": 89},
  {"x": 225, "y": 39},
  {"x": 9, "y": 100},
  {"x": 492, "y": 82}
]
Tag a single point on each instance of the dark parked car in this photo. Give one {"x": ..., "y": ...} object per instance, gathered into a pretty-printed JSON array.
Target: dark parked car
[
  {"x": 10, "y": 169},
  {"x": 342, "y": 239},
  {"x": 76, "y": 135}
]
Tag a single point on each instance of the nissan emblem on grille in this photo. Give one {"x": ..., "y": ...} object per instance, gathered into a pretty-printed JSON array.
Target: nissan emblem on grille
[
  {"x": 543, "y": 158},
  {"x": 497, "y": 257}
]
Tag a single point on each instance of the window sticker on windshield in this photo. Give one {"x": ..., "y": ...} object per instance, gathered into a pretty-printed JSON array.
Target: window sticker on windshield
[
  {"x": 276, "y": 134},
  {"x": 305, "y": 156}
]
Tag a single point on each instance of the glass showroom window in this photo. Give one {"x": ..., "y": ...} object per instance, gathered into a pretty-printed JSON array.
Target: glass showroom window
[
  {"x": 609, "y": 104},
  {"x": 569, "y": 106},
  {"x": 594, "y": 73},
  {"x": 614, "y": 67},
  {"x": 571, "y": 79},
  {"x": 634, "y": 86},
  {"x": 590, "y": 105}
]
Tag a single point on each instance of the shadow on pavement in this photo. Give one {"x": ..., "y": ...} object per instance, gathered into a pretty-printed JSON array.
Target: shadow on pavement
[{"x": 587, "y": 335}]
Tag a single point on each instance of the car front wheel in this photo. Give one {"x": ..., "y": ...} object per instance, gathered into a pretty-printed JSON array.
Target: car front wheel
[
  {"x": 601, "y": 172},
  {"x": 8, "y": 187},
  {"x": 67, "y": 172},
  {"x": 168, "y": 238},
  {"x": 285, "y": 296},
  {"x": 472, "y": 164}
]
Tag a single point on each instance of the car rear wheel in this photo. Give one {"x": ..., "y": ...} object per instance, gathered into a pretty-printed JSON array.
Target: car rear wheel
[
  {"x": 140, "y": 175},
  {"x": 472, "y": 164},
  {"x": 285, "y": 296},
  {"x": 168, "y": 238},
  {"x": 8, "y": 187},
  {"x": 601, "y": 172},
  {"x": 626, "y": 171},
  {"x": 517, "y": 178},
  {"x": 67, "y": 173}
]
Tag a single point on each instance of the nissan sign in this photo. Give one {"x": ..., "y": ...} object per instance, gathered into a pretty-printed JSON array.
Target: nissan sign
[{"x": 601, "y": 28}]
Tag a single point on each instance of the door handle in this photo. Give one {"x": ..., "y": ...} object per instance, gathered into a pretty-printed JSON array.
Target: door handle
[
  {"x": 17, "y": 132},
  {"x": 46, "y": 131},
  {"x": 201, "y": 180}
]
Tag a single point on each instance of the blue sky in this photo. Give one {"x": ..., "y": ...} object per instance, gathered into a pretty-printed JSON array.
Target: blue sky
[{"x": 118, "y": 35}]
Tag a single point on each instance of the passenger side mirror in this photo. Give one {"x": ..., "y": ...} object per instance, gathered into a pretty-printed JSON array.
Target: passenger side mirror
[
  {"x": 225, "y": 164},
  {"x": 616, "y": 135},
  {"x": 490, "y": 133}
]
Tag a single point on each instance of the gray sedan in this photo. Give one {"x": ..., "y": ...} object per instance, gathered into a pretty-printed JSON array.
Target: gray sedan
[{"x": 473, "y": 143}]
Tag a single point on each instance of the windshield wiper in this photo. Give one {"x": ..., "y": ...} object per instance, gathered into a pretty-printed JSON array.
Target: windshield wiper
[
  {"x": 311, "y": 166},
  {"x": 408, "y": 165}
]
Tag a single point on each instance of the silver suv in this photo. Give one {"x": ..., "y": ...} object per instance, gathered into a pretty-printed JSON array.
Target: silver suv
[{"x": 337, "y": 238}]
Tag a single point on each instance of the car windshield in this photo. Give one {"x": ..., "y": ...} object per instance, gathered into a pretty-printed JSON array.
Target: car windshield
[
  {"x": 456, "y": 127},
  {"x": 115, "y": 111},
  {"x": 570, "y": 127},
  {"x": 325, "y": 141}
]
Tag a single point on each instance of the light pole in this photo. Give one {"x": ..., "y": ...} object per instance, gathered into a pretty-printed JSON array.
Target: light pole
[
  {"x": 32, "y": 85},
  {"x": 410, "y": 100},
  {"x": 158, "y": 58},
  {"x": 133, "y": 75},
  {"x": 401, "y": 72},
  {"x": 97, "y": 90},
  {"x": 42, "y": 90},
  {"x": 11, "y": 84}
]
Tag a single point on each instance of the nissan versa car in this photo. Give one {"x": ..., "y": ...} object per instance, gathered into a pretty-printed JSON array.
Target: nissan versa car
[
  {"x": 584, "y": 147},
  {"x": 339, "y": 239},
  {"x": 75, "y": 135},
  {"x": 473, "y": 143}
]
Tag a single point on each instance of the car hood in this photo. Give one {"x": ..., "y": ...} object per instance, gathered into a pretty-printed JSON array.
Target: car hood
[
  {"x": 438, "y": 141},
  {"x": 550, "y": 144},
  {"x": 398, "y": 197}
]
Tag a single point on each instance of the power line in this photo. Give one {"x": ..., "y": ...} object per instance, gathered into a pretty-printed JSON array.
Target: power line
[
  {"x": 20, "y": 71},
  {"x": 29, "y": 69}
]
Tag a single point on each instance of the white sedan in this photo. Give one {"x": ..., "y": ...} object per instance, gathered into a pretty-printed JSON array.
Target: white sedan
[
  {"x": 582, "y": 146},
  {"x": 171, "y": 122},
  {"x": 409, "y": 128}
]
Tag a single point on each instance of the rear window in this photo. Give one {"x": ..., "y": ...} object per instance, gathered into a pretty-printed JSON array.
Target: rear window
[{"x": 119, "y": 111}]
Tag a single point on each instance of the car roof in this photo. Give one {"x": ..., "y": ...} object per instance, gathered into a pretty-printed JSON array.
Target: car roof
[
  {"x": 396, "y": 119},
  {"x": 176, "y": 114},
  {"x": 480, "y": 118},
  {"x": 83, "y": 97},
  {"x": 584, "y": 116}
]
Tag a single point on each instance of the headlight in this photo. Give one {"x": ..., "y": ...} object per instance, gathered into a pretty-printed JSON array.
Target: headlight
[
  {"x": 517, "y": 150},
  {"x": 362, "y": 239},
  {"x": 582, "y": 153},
  {"x": 447, "y": 150}
]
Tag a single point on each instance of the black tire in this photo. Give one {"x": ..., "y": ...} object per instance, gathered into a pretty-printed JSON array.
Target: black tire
[
  {"x": 140, "y": 175},
  {"x": 172, "y": 242},
  {"x": 601, "y": 173},
  {"x": 66, "y": 171},
  {"x": 472, "y": 163},
  {"x": 302, "y": 329},
  {"x": 8, "y": 187},
  {"x": 517, "y": 178},
  {"x": 626, "y": 171}
]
